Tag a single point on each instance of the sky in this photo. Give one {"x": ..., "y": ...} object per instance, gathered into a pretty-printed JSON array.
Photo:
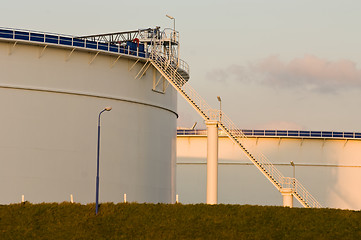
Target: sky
[{"x": 277, "y": 64}]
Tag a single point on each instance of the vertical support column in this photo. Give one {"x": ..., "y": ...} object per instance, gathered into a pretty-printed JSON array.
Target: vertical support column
[
  {"x": 212, "y": 161},
  {"x": 287, "y": 197}
]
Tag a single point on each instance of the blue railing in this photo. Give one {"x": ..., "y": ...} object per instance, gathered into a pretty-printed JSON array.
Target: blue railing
[
  {"x": 70, "y": 41},
  {"x": 282, "y": 133}
]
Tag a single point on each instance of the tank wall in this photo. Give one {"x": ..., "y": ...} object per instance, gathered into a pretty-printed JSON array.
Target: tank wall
[
  {"x": 50, "y": 103},
  {"x": 329, "y": 169}
]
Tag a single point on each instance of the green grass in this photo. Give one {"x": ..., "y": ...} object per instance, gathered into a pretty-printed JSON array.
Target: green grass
[{"x": 174, "y": 221}]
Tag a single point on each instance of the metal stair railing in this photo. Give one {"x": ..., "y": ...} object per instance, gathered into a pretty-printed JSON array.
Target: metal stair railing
[
  {"x": 197, "y": 102},
  {"x": 228, "y": 126},
  {"x": 274, "y": 175},
  {"x": 263, "y": 164},
  {"x": 162, "y": 64},
  {"x": 300, "y": 192}
]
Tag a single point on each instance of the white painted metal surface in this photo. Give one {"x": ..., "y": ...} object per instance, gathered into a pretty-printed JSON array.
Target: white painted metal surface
[
  {"x": 330, "y": 168},
  {"x": 50, "y": 97},
  {"x": 212, "y": 162}
]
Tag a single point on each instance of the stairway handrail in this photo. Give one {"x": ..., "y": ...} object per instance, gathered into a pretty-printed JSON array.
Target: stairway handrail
[
  {"x": 233, "y": 131},
  {"x": 298, "y": 188},
  {"x": 226, "y": 121},
  {"x": 183, "y": 83}
]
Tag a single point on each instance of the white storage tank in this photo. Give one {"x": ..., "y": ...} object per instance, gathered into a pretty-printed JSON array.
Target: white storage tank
[
  {"x": 326, "y": 163},
  {"x": 52, "y": 88}
]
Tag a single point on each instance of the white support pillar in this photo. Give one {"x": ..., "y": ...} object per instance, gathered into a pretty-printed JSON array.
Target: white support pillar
[
  {"x": 287, "y": 197},
  {"x": 212, "y": 161}
]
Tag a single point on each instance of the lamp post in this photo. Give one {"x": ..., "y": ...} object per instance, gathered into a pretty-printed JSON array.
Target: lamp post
[
  {"x": 220, "y": 108},
  {"x": 170, "y": 17},
  {"x": 98, "y": 149},
  {"x": 294, "y": 173}
]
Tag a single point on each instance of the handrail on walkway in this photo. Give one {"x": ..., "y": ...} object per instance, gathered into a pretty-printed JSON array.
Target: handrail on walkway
[{"x": 282, "y": 133}]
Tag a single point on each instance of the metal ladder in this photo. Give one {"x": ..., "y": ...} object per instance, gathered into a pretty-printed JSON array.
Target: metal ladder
[{"x": 170, "y": 73}]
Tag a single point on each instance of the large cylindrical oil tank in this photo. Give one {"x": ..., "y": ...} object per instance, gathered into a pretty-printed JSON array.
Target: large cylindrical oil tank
[
  {"x": 326, "y": 163},
  {"x": 50, "y": 98}
]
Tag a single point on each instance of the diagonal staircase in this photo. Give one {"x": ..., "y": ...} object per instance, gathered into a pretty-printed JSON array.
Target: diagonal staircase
[{"x": 167, "y": 68}]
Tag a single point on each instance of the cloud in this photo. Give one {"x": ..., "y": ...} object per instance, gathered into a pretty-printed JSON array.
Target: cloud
[{"x": 308, "y": 72}]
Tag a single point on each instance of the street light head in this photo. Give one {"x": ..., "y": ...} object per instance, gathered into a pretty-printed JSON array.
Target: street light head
[
  {"x": 169, "y": 16},
  {"x": 108, "y": 108},
  {"x": 219, "y": 98}
]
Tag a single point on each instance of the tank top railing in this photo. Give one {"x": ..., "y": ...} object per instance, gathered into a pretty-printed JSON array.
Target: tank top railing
[
  {"x": 69, "y": 41},
  {"x": 292, "y": 134}
]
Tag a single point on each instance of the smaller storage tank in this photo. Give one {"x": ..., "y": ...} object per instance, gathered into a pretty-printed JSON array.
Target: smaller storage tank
[{"x": 327, "y": 163}]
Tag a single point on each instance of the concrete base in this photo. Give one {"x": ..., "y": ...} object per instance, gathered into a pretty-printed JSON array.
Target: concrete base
[{"x": 287, "y": 197}]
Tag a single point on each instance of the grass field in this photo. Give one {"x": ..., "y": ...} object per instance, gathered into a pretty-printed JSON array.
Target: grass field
[{"x": 174, "y": 221}]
